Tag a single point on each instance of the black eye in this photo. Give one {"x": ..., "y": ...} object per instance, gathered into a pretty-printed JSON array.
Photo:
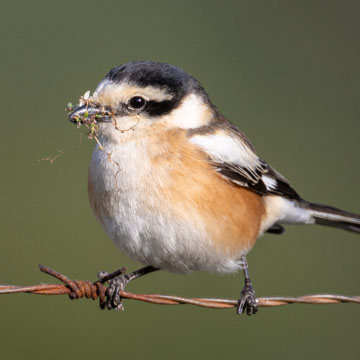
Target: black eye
[{"x": 137, "y": 102}]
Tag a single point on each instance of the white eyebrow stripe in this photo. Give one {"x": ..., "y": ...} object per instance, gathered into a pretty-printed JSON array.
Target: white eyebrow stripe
[{"x": 110, "y": 93}]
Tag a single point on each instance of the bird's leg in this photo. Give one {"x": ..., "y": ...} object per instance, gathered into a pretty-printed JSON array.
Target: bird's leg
[
  {"x": 247, "y": 301},
  {"x": 117, "y": 281}
]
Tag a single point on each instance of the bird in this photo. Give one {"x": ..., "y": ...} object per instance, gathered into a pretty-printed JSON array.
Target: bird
[{"x": 177, "y": 186}]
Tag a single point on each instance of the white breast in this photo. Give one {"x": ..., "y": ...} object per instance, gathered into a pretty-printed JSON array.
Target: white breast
[{"x": 125, "y": 194}]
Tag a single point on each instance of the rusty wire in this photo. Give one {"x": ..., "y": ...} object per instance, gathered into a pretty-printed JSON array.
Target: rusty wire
[{"x": 78, "y": 289}]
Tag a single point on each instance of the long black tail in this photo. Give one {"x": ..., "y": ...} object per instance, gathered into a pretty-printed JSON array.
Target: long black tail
[{"x": 330, "y": 216}]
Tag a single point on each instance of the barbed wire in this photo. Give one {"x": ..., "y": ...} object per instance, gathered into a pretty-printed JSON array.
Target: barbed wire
[{"x": 77, "y": 289}]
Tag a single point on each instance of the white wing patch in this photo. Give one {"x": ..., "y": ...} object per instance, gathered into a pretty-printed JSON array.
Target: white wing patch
[
  {"x": 236, "y": 161},
  {"x": 224, "y": 148},
  {"x": 269, "y": 182}
]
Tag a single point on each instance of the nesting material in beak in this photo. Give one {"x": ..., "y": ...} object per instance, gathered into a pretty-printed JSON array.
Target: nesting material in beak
[{"x": 89, "y": 113}]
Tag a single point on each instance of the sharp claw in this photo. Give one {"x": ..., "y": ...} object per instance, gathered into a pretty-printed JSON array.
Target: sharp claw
[
  {"x": 116, "y": 284},
  {"x": 247, "y": 301},
  {"x": 117, "y": 281}
]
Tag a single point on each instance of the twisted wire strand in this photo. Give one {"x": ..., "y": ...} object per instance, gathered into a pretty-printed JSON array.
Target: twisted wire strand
[{"x": 77, "y": 289}]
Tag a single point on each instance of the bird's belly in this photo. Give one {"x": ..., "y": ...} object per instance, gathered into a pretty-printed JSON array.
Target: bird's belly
[
  {"x": 158, "y": 239},
  {"x": 153, "y": 235},
  {"x": 169, "y": 216}
]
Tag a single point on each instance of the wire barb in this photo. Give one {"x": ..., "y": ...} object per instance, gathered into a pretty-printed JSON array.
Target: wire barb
[{"x": 77, "y": 289}]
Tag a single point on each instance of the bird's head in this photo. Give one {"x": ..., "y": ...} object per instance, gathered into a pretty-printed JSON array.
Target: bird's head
[{"x": 139, "y": 94}]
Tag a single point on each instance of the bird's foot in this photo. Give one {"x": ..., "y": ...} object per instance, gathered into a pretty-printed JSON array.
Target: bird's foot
[
  {"x": 247, "y": 301},
  {"x": 117, "y": 282}
]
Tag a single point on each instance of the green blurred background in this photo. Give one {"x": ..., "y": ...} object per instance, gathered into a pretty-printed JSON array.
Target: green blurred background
[{"x": 286, "y": 72}]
